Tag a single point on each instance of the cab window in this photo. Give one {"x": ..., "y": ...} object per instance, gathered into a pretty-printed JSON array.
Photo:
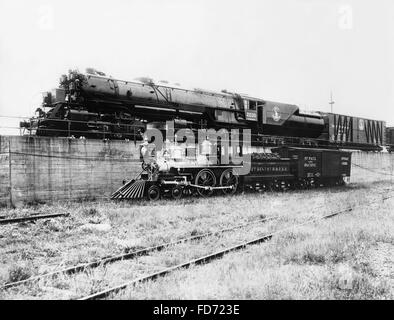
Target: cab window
[{"x": 250, "y": 104}]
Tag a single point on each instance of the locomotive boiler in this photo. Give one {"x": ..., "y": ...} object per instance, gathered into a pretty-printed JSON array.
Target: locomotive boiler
[{"x": 93, "y": 105}]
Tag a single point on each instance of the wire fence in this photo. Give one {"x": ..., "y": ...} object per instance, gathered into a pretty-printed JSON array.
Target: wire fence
[
  {"x": 129, "y": 158},
  {"x": 376, "y": 171},
  {"x": 128, "y": 165}
]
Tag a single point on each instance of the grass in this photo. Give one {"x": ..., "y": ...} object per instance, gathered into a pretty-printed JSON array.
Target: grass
[
  {"x": 327, "y": 260},
  {"x": 18, "y": 273}
]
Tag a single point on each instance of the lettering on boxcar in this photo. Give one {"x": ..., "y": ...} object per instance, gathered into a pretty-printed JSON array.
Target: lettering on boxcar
[{"x": 310, "y": 162}]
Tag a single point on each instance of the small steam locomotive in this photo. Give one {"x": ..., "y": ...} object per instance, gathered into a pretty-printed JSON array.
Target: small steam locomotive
[{"x": 173, "y": 174}]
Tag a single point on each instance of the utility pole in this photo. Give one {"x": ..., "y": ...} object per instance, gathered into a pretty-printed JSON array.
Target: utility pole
[
  {"x": 331, "y": 103},
  {"x": 9, "y": 173}
]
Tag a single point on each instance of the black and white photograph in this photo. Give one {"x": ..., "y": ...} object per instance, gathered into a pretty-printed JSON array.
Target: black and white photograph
[{"x": 196, "y": 154}]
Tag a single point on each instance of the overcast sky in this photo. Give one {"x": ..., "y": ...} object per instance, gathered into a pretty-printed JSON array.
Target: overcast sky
[{"x": 292, "y": 51}]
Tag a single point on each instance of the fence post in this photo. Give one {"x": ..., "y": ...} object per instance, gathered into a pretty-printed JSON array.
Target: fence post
[{"x": 10, "y": 173}]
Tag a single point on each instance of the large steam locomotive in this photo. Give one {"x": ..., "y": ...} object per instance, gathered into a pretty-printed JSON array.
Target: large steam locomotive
[{"x": 94, "y": 105}]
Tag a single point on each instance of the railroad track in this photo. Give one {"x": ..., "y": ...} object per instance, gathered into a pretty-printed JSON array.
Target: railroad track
[
  {"x": 141, "y": 252},
  {"x": 134, "y": 254},
  {"x": 216, "y": 255},
  {"x": 202, "y": 260},
  {"x": 4, "y": 220},
  {"x": 163, "y": 271}
]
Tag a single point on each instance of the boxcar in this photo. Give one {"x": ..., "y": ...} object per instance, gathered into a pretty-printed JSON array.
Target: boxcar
[
  {"x": 324, "y": 165},
  {"x": 353, "y": 131}
]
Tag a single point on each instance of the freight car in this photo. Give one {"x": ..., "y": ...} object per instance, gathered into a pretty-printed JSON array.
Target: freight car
[
  {"x": 342, "y": 130},
  {"x": 390, "y": 139},
  {"x": 97, "y": 106},
  {"x": 283, "y": 168}
]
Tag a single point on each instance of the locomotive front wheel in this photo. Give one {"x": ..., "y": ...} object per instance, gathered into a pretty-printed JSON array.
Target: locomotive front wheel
[
  {"x": 229, "y": 179},
  {"x": 205, "y": 178},
  {"x": 153, "y": 193},
  {"x": 177, "y": 192}
]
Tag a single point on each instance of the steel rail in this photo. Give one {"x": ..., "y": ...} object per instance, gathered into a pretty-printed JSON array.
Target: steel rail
[
  {"x": 4, "y": 220},
  {"x": 204, "y": 259},
  {"x": 134, "y": 254}
]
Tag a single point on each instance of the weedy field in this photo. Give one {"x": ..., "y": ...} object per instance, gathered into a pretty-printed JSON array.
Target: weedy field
[{"x": 350, "y": 256}]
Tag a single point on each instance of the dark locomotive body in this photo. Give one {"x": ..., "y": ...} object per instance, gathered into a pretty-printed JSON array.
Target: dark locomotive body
[
  {"x": 390, "y": 139},
  {"x": 284, "y": 168},
  {"x": 93, "y": 105}
]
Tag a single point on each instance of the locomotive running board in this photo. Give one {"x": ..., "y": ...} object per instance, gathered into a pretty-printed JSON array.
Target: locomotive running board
[{"x": 133, "y": 189}]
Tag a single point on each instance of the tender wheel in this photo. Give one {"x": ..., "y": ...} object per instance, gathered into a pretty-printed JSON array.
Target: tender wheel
[
  {"x": 227, "y": 179},
  {"x": 153, "y": 193},
  {"x": 302, "y": 184},
  {"x": 177, "y": 192},
  {"x": 205, "y": 178}
]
